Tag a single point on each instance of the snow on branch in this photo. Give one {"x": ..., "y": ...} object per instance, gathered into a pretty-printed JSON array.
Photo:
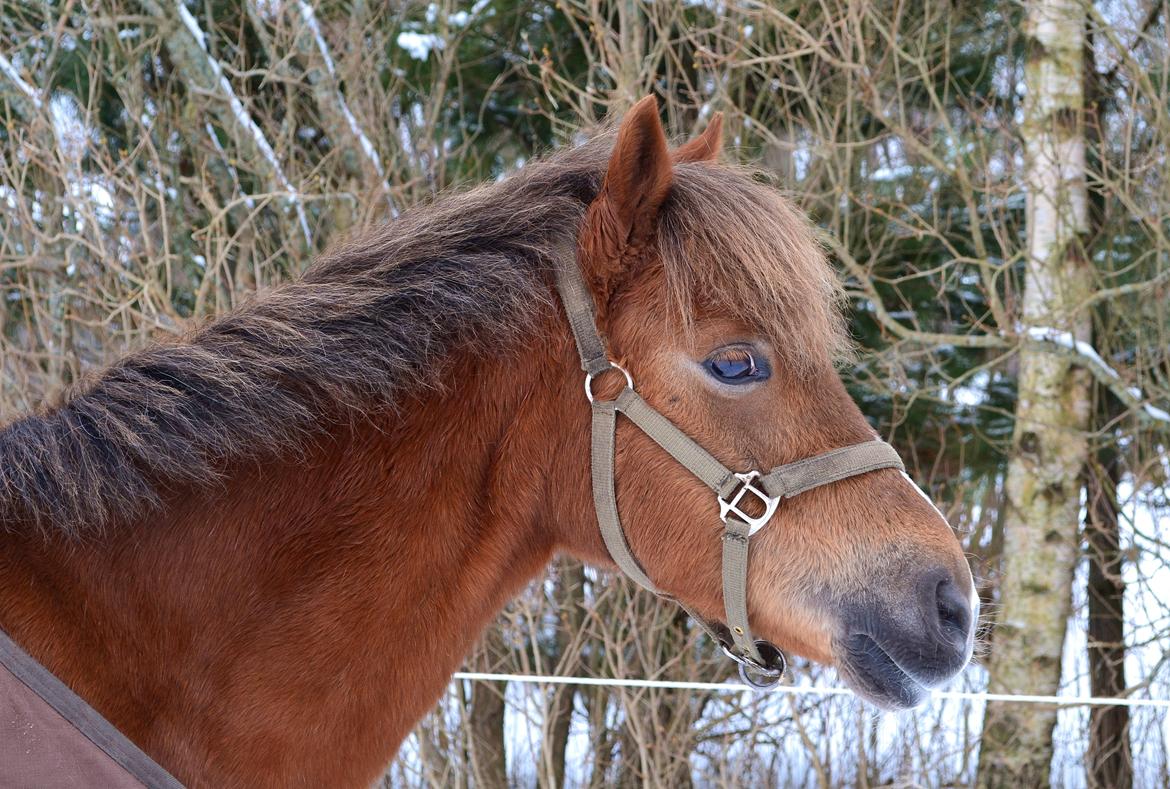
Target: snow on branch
[
  {"x": 1086, "y": 355},
  {"x": 69, "y": 137},
  {"x": 1051, "y": 339},
  {"x": 231, "y": 168},
  {"x": 332, "y": 94},
  {"x": 187, "y": 45},
  {"x": 24, "y": 98}
]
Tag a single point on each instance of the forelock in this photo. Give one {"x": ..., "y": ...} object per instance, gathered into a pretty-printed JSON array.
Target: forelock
[{"x": 729, "y": 239}]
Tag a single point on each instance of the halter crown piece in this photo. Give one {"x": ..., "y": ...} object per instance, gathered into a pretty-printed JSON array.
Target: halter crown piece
[{"x": 761, "y": 664}]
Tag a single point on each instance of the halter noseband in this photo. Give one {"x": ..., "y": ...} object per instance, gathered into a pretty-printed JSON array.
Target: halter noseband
[{"x": 761, "y": 664}]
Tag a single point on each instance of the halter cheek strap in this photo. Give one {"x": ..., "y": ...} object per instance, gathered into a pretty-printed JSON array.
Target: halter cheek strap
[{"x": 738, "y": 495}]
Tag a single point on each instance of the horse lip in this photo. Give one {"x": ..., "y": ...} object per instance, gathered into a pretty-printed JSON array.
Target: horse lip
[{"x": 875, "y": 676}]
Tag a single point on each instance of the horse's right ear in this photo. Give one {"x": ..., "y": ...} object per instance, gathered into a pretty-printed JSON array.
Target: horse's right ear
[{"x": 637, "y": 183}]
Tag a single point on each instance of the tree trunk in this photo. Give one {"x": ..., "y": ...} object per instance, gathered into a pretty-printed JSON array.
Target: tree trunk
[
  {"x": 1107, "y": 762},
  {"x": 630, "y": 72},
  {"x": 485, "y": 725},
  {"x": 571, "y": 600},
  {"x": 552, "y": 761},
  {"x": 1049, "y": 445},
  {"x": 602, "y": 739}
]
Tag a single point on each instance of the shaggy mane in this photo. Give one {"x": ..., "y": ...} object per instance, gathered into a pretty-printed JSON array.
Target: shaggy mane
[{"x": 364, "y": 323}]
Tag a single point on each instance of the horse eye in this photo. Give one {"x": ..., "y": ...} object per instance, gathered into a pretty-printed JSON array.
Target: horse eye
[{"x": 736, "y": 366}]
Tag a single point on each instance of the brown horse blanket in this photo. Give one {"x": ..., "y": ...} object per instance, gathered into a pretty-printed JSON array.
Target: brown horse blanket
[{"x": 51, "y": 739}]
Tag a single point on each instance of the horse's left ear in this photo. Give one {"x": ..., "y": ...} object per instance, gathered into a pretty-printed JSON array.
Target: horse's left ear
[{"x": 705, "y": 147}]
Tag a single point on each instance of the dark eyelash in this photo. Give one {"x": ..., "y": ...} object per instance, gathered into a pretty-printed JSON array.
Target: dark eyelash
[
  {"x": 751, "y": 367},
  {"x": 734, "y": 354}
]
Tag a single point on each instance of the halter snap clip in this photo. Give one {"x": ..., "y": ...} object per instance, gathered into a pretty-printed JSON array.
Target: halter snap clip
[{"x": 761, "y": 676}]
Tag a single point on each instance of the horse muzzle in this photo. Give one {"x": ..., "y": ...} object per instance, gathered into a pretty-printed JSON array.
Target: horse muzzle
[{"x": 893, "y": 649}]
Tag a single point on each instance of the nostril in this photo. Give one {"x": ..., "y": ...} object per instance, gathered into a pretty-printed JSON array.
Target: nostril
[{"x": 954, "y": 612}]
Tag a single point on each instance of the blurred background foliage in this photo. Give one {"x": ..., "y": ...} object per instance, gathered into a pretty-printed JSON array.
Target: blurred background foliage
[{"x": 161, "y": 161}]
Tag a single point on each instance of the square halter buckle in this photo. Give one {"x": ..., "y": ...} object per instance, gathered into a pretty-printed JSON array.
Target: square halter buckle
[{"x": 731, "y": 506}]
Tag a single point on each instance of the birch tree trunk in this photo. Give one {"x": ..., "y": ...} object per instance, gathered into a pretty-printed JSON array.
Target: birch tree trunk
[{"x": 1049, "y": 445}]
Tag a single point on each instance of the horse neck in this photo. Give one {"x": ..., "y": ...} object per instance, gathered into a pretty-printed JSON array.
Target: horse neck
[{"x": 292, "y": 625}]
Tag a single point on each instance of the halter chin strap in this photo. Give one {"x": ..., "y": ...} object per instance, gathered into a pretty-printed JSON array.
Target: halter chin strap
[{"x": 738, "y": 495}]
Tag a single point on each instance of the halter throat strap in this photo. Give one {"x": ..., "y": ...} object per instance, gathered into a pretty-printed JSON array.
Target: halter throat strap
[{"x": 761, "y": 664}]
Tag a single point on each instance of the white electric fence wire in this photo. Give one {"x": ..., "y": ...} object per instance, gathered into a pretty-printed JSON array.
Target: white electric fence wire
[{"x": 800, "y": 690}]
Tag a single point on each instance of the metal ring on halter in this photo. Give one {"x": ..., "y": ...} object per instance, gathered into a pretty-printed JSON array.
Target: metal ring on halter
[
  {"x": 757, "y": 675},
  {"x": 612, "y": 366}
]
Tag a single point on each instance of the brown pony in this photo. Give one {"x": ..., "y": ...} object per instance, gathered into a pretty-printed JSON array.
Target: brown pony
[{"x": 262, "y": 552}]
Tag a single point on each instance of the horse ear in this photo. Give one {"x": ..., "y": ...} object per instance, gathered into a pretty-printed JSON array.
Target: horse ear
[
  {"x": 638, "y": 178},
  {"x": 705, "y": 147},
  {"x": 625, "y": 213}
]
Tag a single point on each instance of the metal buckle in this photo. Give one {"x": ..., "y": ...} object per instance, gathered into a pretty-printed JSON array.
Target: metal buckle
[
  {"x": 728, "y": 508},
  {"x": 612, "y": 366},
  {"x": 759, "y": 675}
]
